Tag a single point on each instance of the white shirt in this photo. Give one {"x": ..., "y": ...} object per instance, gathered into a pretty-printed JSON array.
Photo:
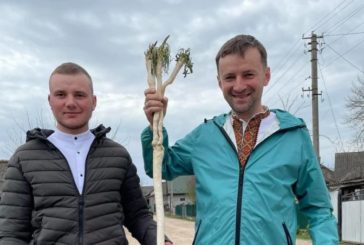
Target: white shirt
[
  {"x": 75, "y": 149},
  {"x": 268, "y": 126}
]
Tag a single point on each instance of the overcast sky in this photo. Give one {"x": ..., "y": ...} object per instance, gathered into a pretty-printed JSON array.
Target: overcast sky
[{"x": 108, "y": 38}]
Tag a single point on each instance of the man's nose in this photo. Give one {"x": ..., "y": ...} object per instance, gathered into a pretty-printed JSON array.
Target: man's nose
[
  {"x": 70, "y": 101},
  {"x": 239, "y": 84}
]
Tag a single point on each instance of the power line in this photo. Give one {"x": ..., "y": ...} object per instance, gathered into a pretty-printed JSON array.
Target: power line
[
  {"x": 332, "y": 12},
  {"x": 285, "y": 59},
  {"x": 346, "y": 52},
  {"x": 331, "y": 109},
  {"x": 349, "y": 31},
  {"x": 341, "y": 56},
  {"x": 344, "y": 34},
  {"x": 282, "y": 74},
  {"x": 345, "y": 19},
  {"x": 289, "y": 80}
]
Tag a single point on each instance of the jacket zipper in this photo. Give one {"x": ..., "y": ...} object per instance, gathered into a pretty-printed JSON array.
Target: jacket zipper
[
  {"x": 288, "y": 236},
  {"x": 80, "y": 218},
  {"x": 81, "y": 204},
  {"x": 240, "y": 188},
  {"x": 197, "y": 230},
  {"x": 80, "y": 196}
]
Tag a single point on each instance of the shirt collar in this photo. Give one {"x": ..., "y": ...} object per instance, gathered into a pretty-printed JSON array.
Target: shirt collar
[
  {"x": 87, "y": 135},
  {"x": 233, "y": 114}
]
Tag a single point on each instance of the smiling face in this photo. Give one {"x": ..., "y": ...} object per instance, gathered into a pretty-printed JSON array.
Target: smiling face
[
  {"x": 72, "y": 101},
  {"x": 242, "y": 79}
]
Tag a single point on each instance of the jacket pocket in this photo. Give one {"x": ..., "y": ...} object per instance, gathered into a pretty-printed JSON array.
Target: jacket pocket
[
  {"x": 198, "y": 228},
  {"x": 286, "y": 232}
]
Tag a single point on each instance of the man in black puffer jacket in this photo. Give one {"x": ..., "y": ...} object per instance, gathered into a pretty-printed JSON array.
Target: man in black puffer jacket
[{"x": 72, "y": 185}]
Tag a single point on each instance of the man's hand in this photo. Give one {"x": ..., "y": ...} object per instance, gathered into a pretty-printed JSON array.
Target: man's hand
[
  {"x": 168, "y": 243},
  {"x": 154, "y": 103}
]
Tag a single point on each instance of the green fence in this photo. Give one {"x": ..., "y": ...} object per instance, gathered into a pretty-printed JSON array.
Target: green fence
[{"x": 186, "y": 210}]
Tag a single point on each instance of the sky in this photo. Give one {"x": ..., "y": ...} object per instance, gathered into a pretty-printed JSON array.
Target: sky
[{"x": 109, "y": 38}]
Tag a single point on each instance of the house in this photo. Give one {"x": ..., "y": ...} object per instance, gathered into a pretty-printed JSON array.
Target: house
[
  {"x": 349, "y": 172},
  {"x": 347, "y": 195},
  {"x": 328, "y": 175},
  {"x": 176, "y": 192}
]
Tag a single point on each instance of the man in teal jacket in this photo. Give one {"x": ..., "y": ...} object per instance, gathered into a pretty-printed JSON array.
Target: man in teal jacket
[{"x": 252, "y": 165}]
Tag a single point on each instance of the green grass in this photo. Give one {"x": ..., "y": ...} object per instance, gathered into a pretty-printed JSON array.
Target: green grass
[{"x": 303, "y": 234}]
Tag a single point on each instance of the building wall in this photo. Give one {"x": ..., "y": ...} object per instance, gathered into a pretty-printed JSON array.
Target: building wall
[{"x": 334, "y": 195}]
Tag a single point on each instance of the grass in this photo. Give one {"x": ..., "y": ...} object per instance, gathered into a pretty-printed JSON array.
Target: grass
[{"x": 303, "y": 234}]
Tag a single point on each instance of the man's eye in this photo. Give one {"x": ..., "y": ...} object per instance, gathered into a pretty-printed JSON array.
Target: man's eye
[
  {"x": 229, "y": 77},
  {"x": 59, "y": 94}
]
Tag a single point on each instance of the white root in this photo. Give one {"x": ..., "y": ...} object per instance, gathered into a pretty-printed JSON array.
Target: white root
[{"x": 157, "y": 59}]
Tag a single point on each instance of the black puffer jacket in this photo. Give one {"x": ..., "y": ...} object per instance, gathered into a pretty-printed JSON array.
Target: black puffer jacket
[{"x": 40, "y": 203}]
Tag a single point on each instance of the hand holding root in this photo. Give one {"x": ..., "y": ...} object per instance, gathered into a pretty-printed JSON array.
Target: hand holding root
[{"x": 154, "y": 103}]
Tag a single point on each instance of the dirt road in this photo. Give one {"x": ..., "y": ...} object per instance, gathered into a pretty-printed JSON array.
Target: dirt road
[{"x": 181, "y": 232}]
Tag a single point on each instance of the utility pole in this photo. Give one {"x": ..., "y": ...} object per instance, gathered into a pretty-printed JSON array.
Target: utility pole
[{"x": 314, "y": 92}]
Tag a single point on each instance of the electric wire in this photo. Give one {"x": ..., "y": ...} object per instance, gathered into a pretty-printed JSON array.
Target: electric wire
[
  {"x": 332, "y": 12},
  {"x": 344, "y": 20},
  {"x": 331, "y": 109},
  {"x": 346, "y": 52},
  {"x": 345, "y": 59}
]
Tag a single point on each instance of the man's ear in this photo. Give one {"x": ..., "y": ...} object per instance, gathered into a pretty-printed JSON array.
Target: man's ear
[
  {"x": 218, "y": 80},
  {"x": 267, "y": 76},
  {"x": 49, "y": 101},
  {"x": 94, "y": 102}
]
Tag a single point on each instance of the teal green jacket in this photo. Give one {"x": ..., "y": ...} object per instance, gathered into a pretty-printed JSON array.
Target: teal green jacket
[{"x": 255, "y": 204}]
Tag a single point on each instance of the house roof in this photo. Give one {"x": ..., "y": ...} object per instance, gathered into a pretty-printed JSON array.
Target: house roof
[
  {"x": 180, "y": 185},
  {"x": 328, "y": 175},
  {"x": 349, "y": 167}
]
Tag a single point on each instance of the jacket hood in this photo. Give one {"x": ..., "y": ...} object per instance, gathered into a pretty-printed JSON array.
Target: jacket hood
[
  {"x": 38, "y": 133},
  {"x": 286, "y": 119}
]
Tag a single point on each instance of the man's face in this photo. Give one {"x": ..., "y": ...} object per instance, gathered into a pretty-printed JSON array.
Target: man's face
[
  {"x": 71, "y": 101},
  {"x": 241, "y": 80}
]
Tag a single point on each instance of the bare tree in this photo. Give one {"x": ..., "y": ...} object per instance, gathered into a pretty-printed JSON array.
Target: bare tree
[
  {"x": 16, "y": 135},
  {"x": 355, "y": 105},
  {"x": 291, "y": 105}
]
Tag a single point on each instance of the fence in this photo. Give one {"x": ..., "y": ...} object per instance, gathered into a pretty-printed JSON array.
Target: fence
[
  {"x": 186, "y": 210},
  {"x": 352, "y": 217}
]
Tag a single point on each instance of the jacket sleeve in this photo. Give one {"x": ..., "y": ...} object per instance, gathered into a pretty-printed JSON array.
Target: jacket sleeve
[
  {"x": 138, "y": 218},
  {"x": 314, "y": 199},
  {"x": 177, "y": 159},
  {"x": 15, "y": 207}
]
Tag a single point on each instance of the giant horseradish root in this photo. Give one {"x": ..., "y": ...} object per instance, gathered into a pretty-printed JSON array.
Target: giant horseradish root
[{"x": 157, "y": 60}]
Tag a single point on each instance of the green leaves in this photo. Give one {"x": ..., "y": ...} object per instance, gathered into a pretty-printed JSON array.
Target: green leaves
[
  {"x": 160, "y": 57},
  {"x": 184, "y": 57}
]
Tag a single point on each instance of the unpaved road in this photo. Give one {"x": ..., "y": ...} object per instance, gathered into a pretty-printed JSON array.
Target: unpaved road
[{"x": 181, "y": 232}]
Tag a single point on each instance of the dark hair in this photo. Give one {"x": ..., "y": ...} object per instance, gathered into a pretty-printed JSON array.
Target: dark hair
[
  {"x": 238, "y": 45},
  {"x": 70, "y": 68}
]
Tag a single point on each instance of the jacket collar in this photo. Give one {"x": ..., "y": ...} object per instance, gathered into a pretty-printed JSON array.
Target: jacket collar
[{"x": 38, "y": 133}]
